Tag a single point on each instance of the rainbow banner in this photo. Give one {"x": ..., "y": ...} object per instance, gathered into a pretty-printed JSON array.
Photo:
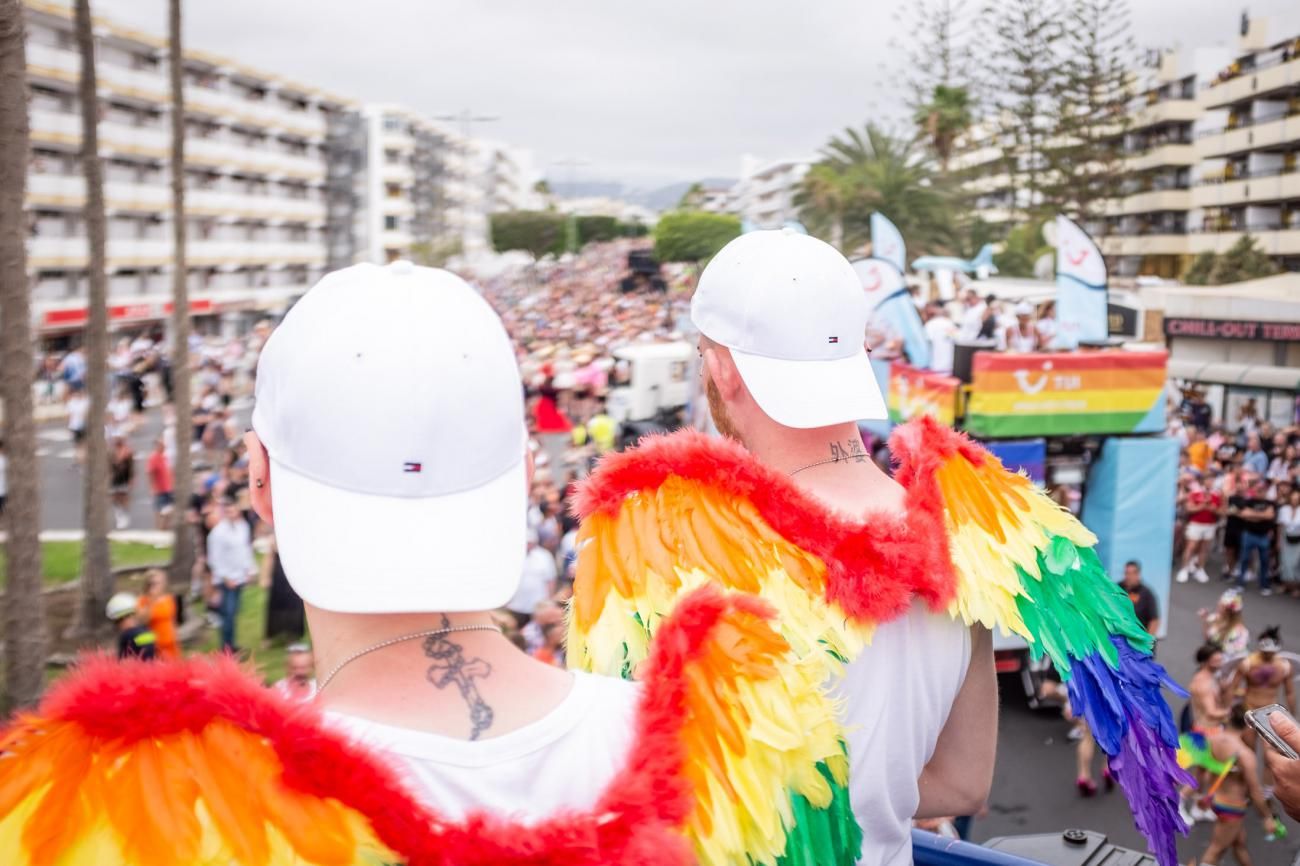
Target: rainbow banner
[
  {"x": 914, "y": 392},
  {"x": 1065, "y": 394}
]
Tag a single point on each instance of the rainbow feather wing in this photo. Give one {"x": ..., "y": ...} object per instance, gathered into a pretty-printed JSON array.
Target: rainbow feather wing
[
  {"x": 634, "y": 567},
  {"x": 70, "y": 798},
  {"x": 1026, "y": 565}
]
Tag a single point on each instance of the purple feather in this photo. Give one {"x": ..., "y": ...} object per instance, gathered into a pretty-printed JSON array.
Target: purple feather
[{"x": 1130, "y": 720}]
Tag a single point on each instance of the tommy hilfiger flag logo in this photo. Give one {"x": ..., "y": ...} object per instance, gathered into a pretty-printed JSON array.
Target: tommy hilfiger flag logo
[
  {"x": 833, "y": 340},
  {"x": 412, "y": 467}
]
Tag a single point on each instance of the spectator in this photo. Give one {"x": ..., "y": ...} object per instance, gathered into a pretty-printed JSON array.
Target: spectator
[
  {"x": 1046, "y": 326},
  {"x": 1288, "y": 528},
  {"x": 78, "y": 407},
  {"x": 972, "y": 317},
  {"x": 989, "y": 329},
  {"x": 160, "y": 483},
  {"x": 1199, "y": 451},
  {"x": 231, "y": 562},
  {"x": 1144, "y": 600},
  {"x": 1255, "y": 459},
  {"x": 158, "y": 609},
  {"x": 537, "y": 583},
  {"x": 121, "y": 477},
  {"x": 602, "y": 429},
  {"x": 1257, "y": 516},
  {"x": 133, "y": 639},
  {"x": 1204, "y": 508},
  {"x": 1022, "y": 336},
  {"x": 942, "y": 332},
  {"x": 299, "y": 683}
]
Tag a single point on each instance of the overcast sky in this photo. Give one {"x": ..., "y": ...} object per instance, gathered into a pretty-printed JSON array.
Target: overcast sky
[{"x": 645, "y": 93}]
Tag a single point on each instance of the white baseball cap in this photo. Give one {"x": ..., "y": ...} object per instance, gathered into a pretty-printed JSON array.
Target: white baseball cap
[
  {"x": 390, "y": 404},
  {"x": 794, "y": 315}
]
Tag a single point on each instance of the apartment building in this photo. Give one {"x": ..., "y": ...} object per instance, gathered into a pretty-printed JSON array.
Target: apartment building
[
  {"x": 429, "y": 190},
  {"x": 1250, "y": 164},
  {"x": 764, "y": 195},
  {"x": 258, "y": 195},
  {"x": 1147, "y": 230}
]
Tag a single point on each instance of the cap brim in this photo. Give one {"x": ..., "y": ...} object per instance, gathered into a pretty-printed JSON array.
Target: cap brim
[
  {"x": 360, "y": 553},
  {"x": 807, "y": 394}
]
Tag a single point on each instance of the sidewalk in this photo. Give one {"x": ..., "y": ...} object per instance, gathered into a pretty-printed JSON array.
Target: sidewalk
[{"x": 158, "y": 538}]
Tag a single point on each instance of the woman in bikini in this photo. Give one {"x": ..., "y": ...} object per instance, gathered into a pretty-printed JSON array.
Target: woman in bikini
[{"x": 1235, "y": 788}]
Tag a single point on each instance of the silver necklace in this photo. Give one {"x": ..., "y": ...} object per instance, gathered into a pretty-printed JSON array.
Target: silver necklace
[
  {"x": 396, "y": 640},
  {"x": 820, "y": 463}
]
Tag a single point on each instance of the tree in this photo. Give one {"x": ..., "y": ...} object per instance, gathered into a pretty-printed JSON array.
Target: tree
[
  {"x": 1023, "y": 247},
  {"x": 693, "y": 198},
  {"x": 1243, "y": 261},
  {"x": 182, "y": 565},
  {"x": 436, "y": 254},
  {"x": 1093, "y": 91},
  {"x": 1198, "y": 272},
  {"x": 945, "y": 116},
  {"x": 938, "y": 50},
  {"x": 693, "y": 236},
  {"x": 96, "y": 570},
  {"x": 877, "y": 171},
  {"x": 535, "y": 232},
  {"x": 24, "y": 613},
  {"x": 593, "y": 229},
  {"x": 1021, "y": 37},
  {"x": 822, "y": 198}
]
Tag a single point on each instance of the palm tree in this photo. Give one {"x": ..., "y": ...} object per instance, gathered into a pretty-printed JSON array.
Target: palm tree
[
  {"x": 96, "y": 571},
  {"x": 946, "y": 116},
  {"x": 24, "y": 609},
  {"x": 821, "y": 198},
  {"x": 183, "y": 550},
  {"x": 879, "y": 171}
]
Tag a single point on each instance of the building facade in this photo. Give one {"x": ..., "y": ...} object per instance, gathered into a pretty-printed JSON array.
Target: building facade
[
  {"x": 764, "y": 195},
  {"x": 258, "y": 195}
]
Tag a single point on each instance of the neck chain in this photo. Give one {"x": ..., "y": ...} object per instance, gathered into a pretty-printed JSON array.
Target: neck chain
[
  {"x": 821, "y": 463},
  {"x": 396, "y": 640}
]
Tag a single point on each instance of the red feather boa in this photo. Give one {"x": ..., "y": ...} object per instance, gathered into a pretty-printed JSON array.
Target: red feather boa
[
  {"x": 875, "y": 567},
  {"x": 636, "y": 820}
]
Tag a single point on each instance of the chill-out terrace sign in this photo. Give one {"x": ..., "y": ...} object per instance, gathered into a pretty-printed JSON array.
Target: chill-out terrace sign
[
  {"x": 1233, "y": 329},
  {"x": 1066, "y": 393}
]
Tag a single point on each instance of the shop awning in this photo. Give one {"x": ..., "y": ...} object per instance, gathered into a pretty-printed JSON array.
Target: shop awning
[{"x": 1223, "y": 373}]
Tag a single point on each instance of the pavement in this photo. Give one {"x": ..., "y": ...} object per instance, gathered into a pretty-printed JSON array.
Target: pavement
[
  {"x": 1033, "y": 785},
  {"x": 61, "y": 477}
]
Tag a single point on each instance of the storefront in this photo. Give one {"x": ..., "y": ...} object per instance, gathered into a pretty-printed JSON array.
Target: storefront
[{"x": 1236, "y": 344}]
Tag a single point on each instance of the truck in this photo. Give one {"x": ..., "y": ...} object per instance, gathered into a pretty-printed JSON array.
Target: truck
[{"x": 653, "y": 384}]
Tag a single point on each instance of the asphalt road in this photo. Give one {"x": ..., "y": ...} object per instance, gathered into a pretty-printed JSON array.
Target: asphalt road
[
  {"x": 61, "y": 477},
  {"x": 1033, "y": 786}
]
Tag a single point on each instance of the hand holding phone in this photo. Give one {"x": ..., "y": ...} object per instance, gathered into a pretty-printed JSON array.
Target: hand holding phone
[{"x": 1258, "y": 719}]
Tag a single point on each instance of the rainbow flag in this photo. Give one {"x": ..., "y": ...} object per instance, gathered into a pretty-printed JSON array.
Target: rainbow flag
[
  {"x": 913, "y": 393},
  {"x": 1064, "y": 394}
]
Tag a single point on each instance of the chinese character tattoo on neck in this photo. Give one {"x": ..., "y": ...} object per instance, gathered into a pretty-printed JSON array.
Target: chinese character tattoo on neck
[{"x": 851, "y": 450}]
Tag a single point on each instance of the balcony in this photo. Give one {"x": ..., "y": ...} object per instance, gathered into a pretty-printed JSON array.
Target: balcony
[
  {"x": 1252, "y": 84},
  {"x": 1152, "y": 244},
  {"x": 233, "y": 156},
  {"x": 1162, "y": 156},
  {"x": 1249, "y": 135},
  {"x": 223, "y": 203},
  {"x": 46, "y": 252},
  {"x": 1269, "y": 185},
  {"x": 267, "y": 114},
  {"x": 1167, "y": 111},
  {"x": 52, "y": 127},
  {"x": 45, "y": 61},
  {"x": 254, "y": 252},
  {"x": 53, "y": 190},
  {"x": 1151, "y": 201},
  {"x": 1271, "y": 238}
]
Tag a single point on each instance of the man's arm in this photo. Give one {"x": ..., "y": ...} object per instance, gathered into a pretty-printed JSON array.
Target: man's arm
[
  {"x": 957, "y": 779},
  {"x": 1249, "y": 770},
  {"x": 1207, "y": 694}
]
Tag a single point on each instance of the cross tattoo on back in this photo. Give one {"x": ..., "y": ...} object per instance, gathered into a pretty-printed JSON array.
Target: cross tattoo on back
[{"x": 451, "y": 667}]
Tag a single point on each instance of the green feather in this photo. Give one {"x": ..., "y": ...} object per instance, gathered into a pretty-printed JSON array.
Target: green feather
[{"x": 823, "y": 837}]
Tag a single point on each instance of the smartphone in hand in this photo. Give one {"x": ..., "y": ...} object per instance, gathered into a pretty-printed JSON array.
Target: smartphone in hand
[{"x": 1258, "y": 719}]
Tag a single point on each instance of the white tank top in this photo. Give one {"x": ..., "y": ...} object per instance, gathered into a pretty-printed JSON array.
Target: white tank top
[
  {"x": 1022, "y": 342},
  {"x": 896, "y": 697},
  {"x": 562, "y": 761}
]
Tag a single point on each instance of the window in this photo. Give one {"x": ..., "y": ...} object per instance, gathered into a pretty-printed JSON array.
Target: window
[
  {"x": 393, "y": 190},
  {"x": 390, "y": 223}
]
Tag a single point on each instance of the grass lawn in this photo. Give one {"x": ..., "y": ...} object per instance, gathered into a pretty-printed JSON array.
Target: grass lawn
[
  {"x": 267, "y": 657},
  {"x": 63, "y": 558}
]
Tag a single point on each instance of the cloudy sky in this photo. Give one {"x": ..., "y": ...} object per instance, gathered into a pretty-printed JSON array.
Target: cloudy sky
[{"x": 643, "y": 93}]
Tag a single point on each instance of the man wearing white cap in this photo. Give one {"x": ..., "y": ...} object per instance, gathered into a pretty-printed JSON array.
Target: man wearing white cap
[
  {"x": 389, "y": 451},
  {"x": 782, "y": 318}
]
